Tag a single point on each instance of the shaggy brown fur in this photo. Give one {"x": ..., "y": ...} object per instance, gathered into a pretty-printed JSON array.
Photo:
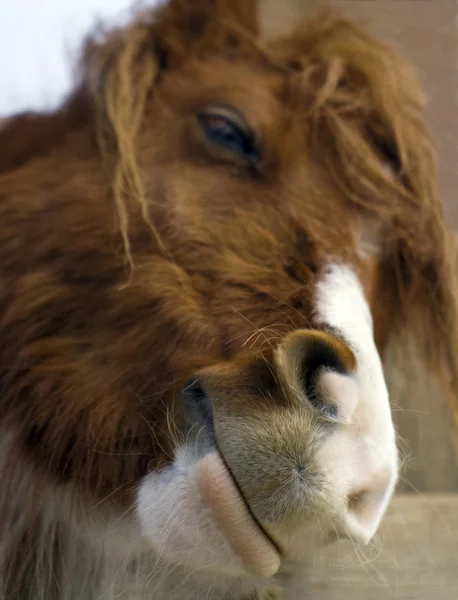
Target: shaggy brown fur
[{"x": 133, "y": 253}]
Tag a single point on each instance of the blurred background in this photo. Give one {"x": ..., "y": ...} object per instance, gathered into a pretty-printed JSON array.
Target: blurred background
[{"x": 39, "y": 42}]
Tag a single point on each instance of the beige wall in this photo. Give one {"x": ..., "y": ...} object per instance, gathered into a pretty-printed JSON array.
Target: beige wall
[{"x": 425, "y": 31}]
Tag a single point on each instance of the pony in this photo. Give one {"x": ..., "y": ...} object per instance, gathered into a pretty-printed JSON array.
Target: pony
[{"x": 220, "y": 257}]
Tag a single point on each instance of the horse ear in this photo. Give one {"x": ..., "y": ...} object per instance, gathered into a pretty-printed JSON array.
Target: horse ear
[
  {"x": 243, "y": 12},
  {"x": 166, "y": 36}
]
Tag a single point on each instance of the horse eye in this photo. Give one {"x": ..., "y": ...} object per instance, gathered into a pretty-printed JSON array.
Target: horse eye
[{"x": 224, "y": 131}]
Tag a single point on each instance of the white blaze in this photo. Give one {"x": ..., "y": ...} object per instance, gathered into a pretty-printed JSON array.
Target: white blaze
[{"x": 365, "y": 454}]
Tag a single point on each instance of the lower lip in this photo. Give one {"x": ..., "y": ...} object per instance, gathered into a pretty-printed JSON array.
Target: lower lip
[{"x": 258, "y": 554}]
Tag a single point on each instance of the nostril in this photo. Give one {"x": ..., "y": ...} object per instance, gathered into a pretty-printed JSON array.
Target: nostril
[
  {"x": 196, "y": 404},
  {"x": 357, "y": 501},
  {"x": 324, "y": 355},
  {"x": 194, "y": 389},
  {"x": 364, "y": 508}
]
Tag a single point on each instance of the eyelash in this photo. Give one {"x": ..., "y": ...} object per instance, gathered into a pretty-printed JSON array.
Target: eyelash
[{"x": 226, "y": 132}]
